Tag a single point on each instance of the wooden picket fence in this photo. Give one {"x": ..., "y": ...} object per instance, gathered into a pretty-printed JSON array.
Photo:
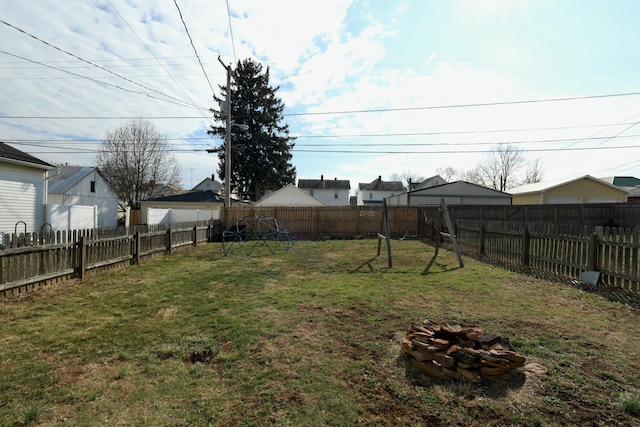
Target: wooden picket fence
[
  {"x": 562, "y": 251},
  {"x": 34, "y": 260}
]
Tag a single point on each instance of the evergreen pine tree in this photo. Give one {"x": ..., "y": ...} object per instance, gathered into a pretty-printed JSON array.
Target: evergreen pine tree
[{"x": 260, "y": 156}]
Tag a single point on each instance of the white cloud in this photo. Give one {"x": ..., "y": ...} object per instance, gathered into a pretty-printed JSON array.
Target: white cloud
[{"x": 331, "y": 56}]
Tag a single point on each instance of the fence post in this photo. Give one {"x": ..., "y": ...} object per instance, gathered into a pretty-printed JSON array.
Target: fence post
[
  {"x": 137, "y": 239},
  {"x": 525, "y": 246},
  {"x": 82, "y": 254},
  {"x": 482, "y": 239},
  {"x": 195, "y": 235},
  {"x": 169, "y": 241},
  {"x": 593, "y": 249}
]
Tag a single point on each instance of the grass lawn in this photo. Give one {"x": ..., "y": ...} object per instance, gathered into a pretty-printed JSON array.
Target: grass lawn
[{"x": 308, "y": 337}]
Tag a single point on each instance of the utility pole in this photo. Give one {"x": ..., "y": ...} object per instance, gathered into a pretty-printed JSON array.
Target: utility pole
[{"x": 227, "y": 142}]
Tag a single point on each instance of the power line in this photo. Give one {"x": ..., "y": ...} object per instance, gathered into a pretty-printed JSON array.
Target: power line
[
  {"x": 194, "y": 47},
  {"x": 528, "y": 141},
  {"x": 524, "y": 150},
  {"x": 93, "y": 64},
  {"x": 157, "y": 60},
  {"x": 484, "y": 104},
  {"x": 440, "y": 143},
  {"x": 233, "y": 44},
  {"x": 98, "y": 117},
  {"x": 431, "y": 107},
  {"x": 181, "y": 103},
  {"x": 361, "y": 152}
]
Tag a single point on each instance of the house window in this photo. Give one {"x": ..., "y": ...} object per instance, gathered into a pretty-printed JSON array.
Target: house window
[
  {"x": 335, "y": 195},
  {"x": 370, "y": 196},
  {"x": 311, "y": 192},
  {"x": 93, "y": 186}
]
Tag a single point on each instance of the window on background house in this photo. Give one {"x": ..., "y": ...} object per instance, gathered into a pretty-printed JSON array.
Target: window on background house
[
  {"x": 335, "y": 195},
  {"x": 370, "y": 196},
  {"x": 311, "y": 192},
  {"x": 93, "y": 186}
]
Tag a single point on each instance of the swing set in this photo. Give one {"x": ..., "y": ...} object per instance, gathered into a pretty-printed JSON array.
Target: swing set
[{"x": 444, "y": 216}]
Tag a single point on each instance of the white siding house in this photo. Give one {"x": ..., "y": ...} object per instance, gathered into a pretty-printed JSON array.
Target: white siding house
[
  {"x": 376, "y": 191},
  {"x": 289, "y": 195},
  {"x": 331, "y": 192},
  {"x": 84, "y": 186},
  {"x": 23, "y": 190},
  {"x": 209, "y": 184}
]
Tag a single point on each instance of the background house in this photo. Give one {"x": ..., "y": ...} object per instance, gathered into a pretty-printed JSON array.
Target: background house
[
  {"x": 376, "y": 191},
  {"x": 192, "y": 206},
  {"x": 454, "y": 193},
  {"x": 209, "y": 184},
  {"x": 84, "y": 186},
  {"x": 586, "y": 189},
  {"x": 429, "y": 182},
  {"x": 23, "y": 190},
  {"x": 289, "y": 195},
  {"x": 331, "y": 192},
  {"x": 629, "y": 183}
]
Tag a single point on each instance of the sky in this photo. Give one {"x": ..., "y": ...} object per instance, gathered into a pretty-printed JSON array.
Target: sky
[{"x": 370, "y": 87}]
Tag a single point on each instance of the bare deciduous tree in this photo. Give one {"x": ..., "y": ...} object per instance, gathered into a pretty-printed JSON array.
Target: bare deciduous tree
[
  {"x": 406, "y": 177},
  {"x": 474, "y": 176},
  {"x": 533, "y": 173},
  {"x": 135, "y": 158},
  {"x": 498, "y": 170},
  {"x": 447, "y": 173}
]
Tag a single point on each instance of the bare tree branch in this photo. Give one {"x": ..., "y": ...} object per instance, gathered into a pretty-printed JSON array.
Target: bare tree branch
[{"x": 134, "y": 158}]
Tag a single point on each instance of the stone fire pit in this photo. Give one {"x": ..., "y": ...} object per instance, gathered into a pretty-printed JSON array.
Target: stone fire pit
[{"x": 451, "y": 350}]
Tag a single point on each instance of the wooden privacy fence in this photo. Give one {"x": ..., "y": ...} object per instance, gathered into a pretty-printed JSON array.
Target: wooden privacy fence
[
  {"x": 561, "y": 250},
  {"x": 25, "y": 267},
  {"x": 592, "y": 214},
  {"x": 336, "y": 221}
]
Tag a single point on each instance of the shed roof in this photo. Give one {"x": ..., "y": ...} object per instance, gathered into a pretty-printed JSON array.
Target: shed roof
[
  {"x": 205, "y": 196},
  {"x": 13, "y": 155},
  {"x": 66, "y": 177},
  {"x": 459, "y": 188},
  {"x": 548, "y": 185}
]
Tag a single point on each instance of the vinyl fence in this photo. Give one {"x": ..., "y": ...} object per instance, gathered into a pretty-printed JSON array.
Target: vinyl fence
[
  {"x": 71, "y": 217},
  {"x": 175, "y": 215},
  {"x": 36, "y": 259}
]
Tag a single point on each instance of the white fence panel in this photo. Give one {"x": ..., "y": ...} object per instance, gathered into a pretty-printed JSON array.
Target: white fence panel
[
  {"x": 158, "y": 216},
  {"x": 67, "y": 217},
  {"x": 169, "y": 215}
]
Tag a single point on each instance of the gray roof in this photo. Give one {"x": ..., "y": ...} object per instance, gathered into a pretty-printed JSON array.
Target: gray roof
[
  {"x": 14, "y": 155},
  {"x": 429, "y": 182},
  {"x": 459, "y": 188},
  {"x": 325, "y": 184},
  {"x": 206, "y": 196},
  {"x": 380, "y": 185},
  {"x": 622, "y": 181},
  {"x": 65, "y": 178}
]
